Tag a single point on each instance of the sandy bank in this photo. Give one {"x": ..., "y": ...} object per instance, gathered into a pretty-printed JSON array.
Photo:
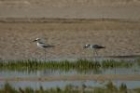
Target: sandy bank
[{"x": 77, "y": 77}]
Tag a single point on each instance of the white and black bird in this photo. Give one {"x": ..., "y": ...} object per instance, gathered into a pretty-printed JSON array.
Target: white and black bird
[
  {"x": 41, "y": 44},
  {"x": 95, "y": 47}
]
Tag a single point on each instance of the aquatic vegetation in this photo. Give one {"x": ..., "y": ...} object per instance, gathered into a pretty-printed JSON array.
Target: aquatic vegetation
[
  {"x": 123, "y": 88},
  {"x": 114, "y": 64},
  {"x": 108, "y": 88},
  {"x": 79, "y": 65},
  {"x": 138, "y": 62},
  {"x": 137, "y": 90}
]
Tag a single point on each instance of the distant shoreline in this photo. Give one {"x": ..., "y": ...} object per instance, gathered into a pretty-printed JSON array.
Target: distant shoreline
[{"x": 61, "y": 20}]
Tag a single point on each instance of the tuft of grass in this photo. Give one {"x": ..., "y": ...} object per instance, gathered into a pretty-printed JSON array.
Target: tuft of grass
[
  {"x": 114, "y": 64},
  {"x": 108, "y": 88},
  {"x": 8, "y": 89},
  {"x": 79, "y": 65},
  {"x": 138, "y": 62},
  {"x": 137, "y": 90},
  {"x": 123, "y": 88}
]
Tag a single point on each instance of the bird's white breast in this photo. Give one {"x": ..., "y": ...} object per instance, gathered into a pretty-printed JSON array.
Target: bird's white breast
[{"x": 39, "y": 45}]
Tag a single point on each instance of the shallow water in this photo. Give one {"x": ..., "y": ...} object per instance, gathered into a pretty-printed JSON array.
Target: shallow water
[
  {"x": 52, "y": 84},
  {"x": 46, "y": 72},
  {"x": 50, "y": 72}
]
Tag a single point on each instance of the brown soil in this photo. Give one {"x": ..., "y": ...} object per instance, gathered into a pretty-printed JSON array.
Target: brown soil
[
  {"x": 69, "y": 37},
  {"x": 77, "y": 77}
]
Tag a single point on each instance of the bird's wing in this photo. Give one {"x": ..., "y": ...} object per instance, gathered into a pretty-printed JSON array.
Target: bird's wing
[
  {"x": 98, "y": 46},
  {"x": 48, "y": 46}
]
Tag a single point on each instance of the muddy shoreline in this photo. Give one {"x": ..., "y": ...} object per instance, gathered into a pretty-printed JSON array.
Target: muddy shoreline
[
  {"x": 76, "y": 77},
  {"x": 64, "y": 20}
]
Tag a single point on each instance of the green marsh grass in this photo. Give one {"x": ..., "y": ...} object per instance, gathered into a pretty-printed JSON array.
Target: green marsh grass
[
  {"x": 79, "y": 65},
  {"x": 108, "y": 88},
  {"x": 138, "y": 62}
]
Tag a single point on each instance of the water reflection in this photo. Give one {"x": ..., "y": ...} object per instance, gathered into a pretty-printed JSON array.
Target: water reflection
[{"x": 50, "y": 72}]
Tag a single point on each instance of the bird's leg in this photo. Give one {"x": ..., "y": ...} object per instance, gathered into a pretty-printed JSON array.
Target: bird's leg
[
  {"x": 94, "y": 51},
  {"x": 96, "y": 54},
  {"x": 115, "y": 72},
  {"x": 45, "y": 54}
]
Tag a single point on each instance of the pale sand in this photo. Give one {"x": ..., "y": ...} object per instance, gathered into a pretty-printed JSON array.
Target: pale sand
[
  {"x": 119, "y": 9},
  {"x": 119, "y": 38}
]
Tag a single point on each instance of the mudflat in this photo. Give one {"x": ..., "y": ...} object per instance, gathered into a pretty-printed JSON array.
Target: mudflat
[
  {"x": 118, "y": 9},
  {"x": 69, "y": 25},
  {"x": 77, "y": 77},
  {"x": 120, "y": 37}
]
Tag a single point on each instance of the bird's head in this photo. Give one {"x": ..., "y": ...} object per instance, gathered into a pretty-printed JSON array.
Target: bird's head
[
  {"x": 37, "y": 39},
  {"x": 87, "y": 46}
]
